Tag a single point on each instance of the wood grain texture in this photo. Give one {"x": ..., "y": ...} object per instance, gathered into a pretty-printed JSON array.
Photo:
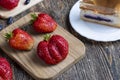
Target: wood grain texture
[
  {"x": 102, "y": 60},
  {"x": 29, "y": 59}
]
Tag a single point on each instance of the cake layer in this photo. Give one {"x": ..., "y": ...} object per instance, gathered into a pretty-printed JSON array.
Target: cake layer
[
  {"x": 99, "y": 18},
  {"x": 107, "y": 7},
  {"x": 111, "y": 20}
]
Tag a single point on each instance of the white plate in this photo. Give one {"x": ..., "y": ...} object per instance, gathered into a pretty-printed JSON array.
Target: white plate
[
  {"x": 20, "y": 8},
  {"x": 90, "y": 30}
]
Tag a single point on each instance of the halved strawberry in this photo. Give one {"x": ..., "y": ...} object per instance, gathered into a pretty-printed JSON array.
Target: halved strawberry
[{"x": 53, "y": 49}]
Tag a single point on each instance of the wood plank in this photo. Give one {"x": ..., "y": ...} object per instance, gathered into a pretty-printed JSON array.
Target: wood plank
[
  {"x": 29, "y": 61},
  {"x": 94, "y": 66}
]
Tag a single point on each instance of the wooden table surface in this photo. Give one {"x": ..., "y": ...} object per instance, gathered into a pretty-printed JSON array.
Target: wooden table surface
[{"x": 101, "y": 62}]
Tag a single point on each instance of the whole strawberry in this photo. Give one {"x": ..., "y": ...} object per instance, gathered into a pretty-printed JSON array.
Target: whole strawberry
[
  {"x": 43, "y": 23},
  {"x": 20, "y": 39},
  {"x": 5, "y": 70},
  {"x": 53, "y": 50},
  {"x": 9, "y": 4}
]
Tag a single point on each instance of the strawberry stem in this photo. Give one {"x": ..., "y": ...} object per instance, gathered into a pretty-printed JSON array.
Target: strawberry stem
[
  {"x": 34, "y": 17},
  {"x": 8, "y": 35},
  {"x": 47, "y": 37}
]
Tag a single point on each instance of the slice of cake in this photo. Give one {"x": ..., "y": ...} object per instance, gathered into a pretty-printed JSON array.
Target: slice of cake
[{"x": 101, "y": 11}]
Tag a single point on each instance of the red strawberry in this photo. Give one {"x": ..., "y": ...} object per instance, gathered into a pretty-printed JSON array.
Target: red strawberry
[
  {"x": 20, "y": 40},
  {"x": 43, "y": 23},
  {"x": 5, "y": 70},
  {"x": 54, "y": 50},
  {"x": 9, "y": 4}
]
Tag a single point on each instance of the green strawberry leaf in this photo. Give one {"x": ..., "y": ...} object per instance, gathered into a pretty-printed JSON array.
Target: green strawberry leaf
[
  {"x": 8, "y": 35},
  {"x": 47, "y": 37},
  {"x": 34, "y": 17}
]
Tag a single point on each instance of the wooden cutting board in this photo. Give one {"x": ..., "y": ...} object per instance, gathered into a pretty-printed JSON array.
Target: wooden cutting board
[
  {"x": 20, "y": 8},
  {"x": 29, "y": 61}
]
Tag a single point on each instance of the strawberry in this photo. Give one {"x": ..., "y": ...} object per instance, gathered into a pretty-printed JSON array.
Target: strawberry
[
  {"x": 9, "y": 4},
  {"x": 43, "y": 23},
  {"x": 20, "y": 40},
  {"x": 5, "y": 70},
  {"x": 53, "y": 49}
]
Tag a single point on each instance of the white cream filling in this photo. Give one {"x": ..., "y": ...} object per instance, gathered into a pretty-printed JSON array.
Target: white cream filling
[{"x": 113, "y": 18}]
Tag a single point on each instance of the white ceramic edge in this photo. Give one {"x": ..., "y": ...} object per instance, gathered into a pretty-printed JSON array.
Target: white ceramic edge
[{"x": 107, "y": 39}]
